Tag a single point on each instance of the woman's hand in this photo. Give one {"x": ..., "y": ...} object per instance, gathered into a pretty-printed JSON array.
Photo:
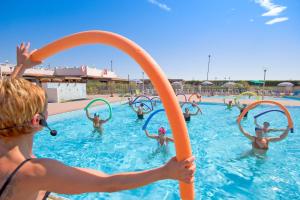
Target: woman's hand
[
  {"x": 23, "y": 60},
  {"x": 23, "y": 56},
  {"x": 181, "y": 170}
]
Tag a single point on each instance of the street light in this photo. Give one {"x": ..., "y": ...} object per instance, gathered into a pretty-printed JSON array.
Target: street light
[
  {"x": 208, "y": 66},
  {"x": 129, "y": 87},
  {"x": 265, "y": 72}
]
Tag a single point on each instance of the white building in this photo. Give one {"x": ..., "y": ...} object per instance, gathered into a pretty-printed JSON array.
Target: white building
[
  {"x": 84, "y": 71},
  {"x": 61, "y": 83}
]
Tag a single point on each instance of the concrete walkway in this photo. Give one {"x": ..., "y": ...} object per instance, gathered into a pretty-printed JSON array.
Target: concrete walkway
[{"x": 57, "y": 108}]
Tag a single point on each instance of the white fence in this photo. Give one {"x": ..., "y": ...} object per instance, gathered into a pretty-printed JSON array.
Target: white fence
[{"x": 60, "y": 92}]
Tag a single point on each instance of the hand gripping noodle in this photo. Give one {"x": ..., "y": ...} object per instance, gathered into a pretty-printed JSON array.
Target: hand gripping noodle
[
  {"x": 103, "y": 100},
  {"x": 284, "y": 109},
  {"x": 152, "y": 69}
]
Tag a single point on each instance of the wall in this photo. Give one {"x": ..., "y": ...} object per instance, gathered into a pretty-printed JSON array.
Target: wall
[
  {"x": 75, "y": 71},
  {"x": 52, "y": 94},
  {"x": 60, "y": 92}
]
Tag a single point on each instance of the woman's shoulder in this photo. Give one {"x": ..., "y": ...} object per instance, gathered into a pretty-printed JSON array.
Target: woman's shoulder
[{"x": 40, "y": 166}]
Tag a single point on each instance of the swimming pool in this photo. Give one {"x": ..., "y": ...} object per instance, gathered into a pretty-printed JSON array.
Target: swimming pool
[{"x": 222, "y": 172}]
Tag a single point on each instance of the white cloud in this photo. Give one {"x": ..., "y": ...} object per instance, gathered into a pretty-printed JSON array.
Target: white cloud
[
  {"x": 272, "y": 9},
  {"x": 277, "y": 20},
  {"x": 160, "y": 5}
]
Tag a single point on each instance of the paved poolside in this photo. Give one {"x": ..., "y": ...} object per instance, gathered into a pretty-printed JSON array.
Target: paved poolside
[{"x": 57, "y": 108}]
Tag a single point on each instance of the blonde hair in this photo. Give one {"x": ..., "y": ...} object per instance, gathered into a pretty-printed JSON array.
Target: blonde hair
[{"x": 20, "y": 100}]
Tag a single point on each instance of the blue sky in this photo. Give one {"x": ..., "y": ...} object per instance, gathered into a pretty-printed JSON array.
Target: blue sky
[{"x": 243, "y": 36}]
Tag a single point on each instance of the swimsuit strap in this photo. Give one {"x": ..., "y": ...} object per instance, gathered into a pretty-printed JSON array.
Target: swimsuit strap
[
  {"x": 8, "y": 180},
  {"x": 46, "y": 195}
]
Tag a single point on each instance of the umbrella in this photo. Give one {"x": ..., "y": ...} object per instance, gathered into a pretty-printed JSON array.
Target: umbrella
[
  {"x": 206, "y": 83},
  {"x": 257, "y": 82},
  {"x": 176, "y": 83},
  {"x": 285, "y": 84},
  {"x": 229, "y": 84}
]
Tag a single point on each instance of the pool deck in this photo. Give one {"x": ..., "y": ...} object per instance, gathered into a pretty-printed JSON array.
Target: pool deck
[{"x": 57, "y": 108}]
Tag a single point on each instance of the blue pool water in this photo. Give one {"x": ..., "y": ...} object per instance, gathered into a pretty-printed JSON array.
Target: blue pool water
[{"x": 223, "y": 170}]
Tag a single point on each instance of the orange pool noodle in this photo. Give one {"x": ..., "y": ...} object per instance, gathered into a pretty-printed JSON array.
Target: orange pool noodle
[
  {"x": 152, "y": 69},
  {"x": 283, "y": 108}
]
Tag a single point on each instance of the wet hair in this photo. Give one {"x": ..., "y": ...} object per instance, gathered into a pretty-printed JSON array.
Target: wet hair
[
  {"x": 20, "y": 100},
  {"x": 266, "y": 123},
  {"x": 258, "y": 129},
  {"x": 141, "y": 104}
]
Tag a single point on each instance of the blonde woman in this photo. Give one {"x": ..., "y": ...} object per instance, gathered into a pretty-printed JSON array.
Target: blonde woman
[{"x": 23, "y": 113}]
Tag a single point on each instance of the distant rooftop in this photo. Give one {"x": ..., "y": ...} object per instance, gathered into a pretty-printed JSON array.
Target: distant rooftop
[{"x": 82, "y": 71}]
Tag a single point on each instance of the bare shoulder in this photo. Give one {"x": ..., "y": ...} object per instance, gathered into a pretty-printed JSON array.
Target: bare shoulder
[{"x": 39, "y": 167}]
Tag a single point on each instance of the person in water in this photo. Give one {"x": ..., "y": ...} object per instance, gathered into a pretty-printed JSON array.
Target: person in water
[
  {"x": 229, "y": 104},
  {"x": 129, "y": 101},
  {"x": 97, "y": 121},
  {"x": 266, "y": 127},
  {"x": 199, "y": 97},
  {"x": 23, "y": 108},
  {"x": 161, "y": 138},
  {"x": 241, "y": 107},
  {"x": 140, "y": 111},
  {"x": 259, "y": 143},
  {"x": 153, "y": 103},
  {"x": 187, "y": 115}
]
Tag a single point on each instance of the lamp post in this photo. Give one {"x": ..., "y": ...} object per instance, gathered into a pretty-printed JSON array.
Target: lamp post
[
  {"x": 208, "y": 66},
  {"x": 265, "y": 72},
  {"x": 143, "y": 73},
  {"x": 129, "y": 88},
  {"x": 111, "y": 65}
]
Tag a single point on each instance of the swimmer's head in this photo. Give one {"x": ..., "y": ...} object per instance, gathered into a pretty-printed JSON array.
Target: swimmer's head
[
  {"x": 258, "y": 131},
  {"x": 161, "y": 131},
  {"x": 230, "y": 102},
  {"x": 266, "y": 124},
  {"x": 141, "y": 104},
  {"x": 186, "y": 110},
  {"x": 244, "y": 105},
  {"x": 96, "y": 115}
]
